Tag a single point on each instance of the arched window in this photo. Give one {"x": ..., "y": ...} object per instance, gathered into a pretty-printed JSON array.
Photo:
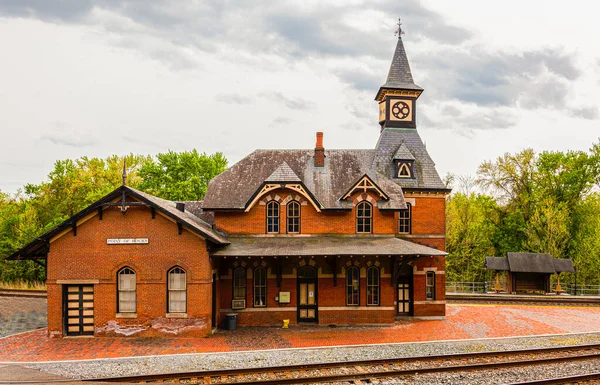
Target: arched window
[
  {"x": 404, "y": 170},
  {"x": 404, "y": 220},
  {"x": 430, "y": 286},
  {"x": 373, "y": 286},
  {"x": 260, "y": 287},
  {"x": 126, "y": 290},
  {"x": 177, "y": 290},
  {"x": 273, "y": 217},
  {"x": 364, "y": 217},
  {"x": 352, "y": 286},
  {"x": 239, "y": 283},
  {"x": 293, "y": 217}
]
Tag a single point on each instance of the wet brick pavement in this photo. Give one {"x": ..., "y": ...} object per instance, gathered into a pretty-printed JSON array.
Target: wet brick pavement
[{"x": 462, "y": 322}]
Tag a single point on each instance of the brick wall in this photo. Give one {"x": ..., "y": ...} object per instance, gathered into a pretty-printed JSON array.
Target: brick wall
[
  {"x": 312, "y": 222},
  {"x": 87, "y": 256}
]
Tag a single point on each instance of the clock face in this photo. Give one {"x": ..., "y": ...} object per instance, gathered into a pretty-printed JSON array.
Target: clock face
[{"x": 400, "y": 110}]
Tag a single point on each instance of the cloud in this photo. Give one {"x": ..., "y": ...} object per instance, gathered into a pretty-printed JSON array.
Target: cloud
[
  {"x": 590, "y": 113},
  {"x": 467, "y": 119},
  {"x": 360, "y": 79},
  {"x": 260, "y": 27},
  {"x": 63, "y": 135},
  {"x": 233, "y": 98},
  {"x": 291, "y": 103},
  {"x": 280, "y": 121},
  {"x": 531, "y": 80}
]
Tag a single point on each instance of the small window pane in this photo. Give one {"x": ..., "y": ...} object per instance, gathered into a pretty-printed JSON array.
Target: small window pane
[
  {"x": 239, "y": 283},
  {"x": 273, "y": 217},
  {"x": 177, "y": 291},
  {"x": 293, "y": 217},
  {"x": 126, "y": 291},
  {"x": 404, "y": 220},
  {"x": 372, "y": 286},
  {"x": 364, "y": 217},
  {"x": 430, "y": 285},
  {"x": 260, "y": 287},
  {"x": 352, "y": 286}
]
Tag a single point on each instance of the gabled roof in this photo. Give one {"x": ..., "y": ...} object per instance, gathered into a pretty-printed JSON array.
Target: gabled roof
[
  {"x": 399, "y": 75},
  {"x": 236, "y": 187},
  {"x": 496, "y": 263},
  {"x": 39, "y": 247},
  {"x": 283, "y": 173},
  {"x": 403, "y": 153},
  {"x": 365, "y": 183},
  {"x": 529, "y": 263}
]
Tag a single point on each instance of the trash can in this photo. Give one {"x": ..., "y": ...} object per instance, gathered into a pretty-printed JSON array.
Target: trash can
[{"x": 230, "y": 321}]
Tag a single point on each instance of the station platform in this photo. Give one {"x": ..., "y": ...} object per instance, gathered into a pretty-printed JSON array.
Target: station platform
[{"x": 462, "y": 322}]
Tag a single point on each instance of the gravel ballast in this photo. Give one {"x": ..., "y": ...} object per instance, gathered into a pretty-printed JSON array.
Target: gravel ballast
[{"x": 116, "y": 367}]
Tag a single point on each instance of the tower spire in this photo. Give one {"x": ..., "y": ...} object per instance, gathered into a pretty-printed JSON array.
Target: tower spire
[{"x": 398, "y": 95}]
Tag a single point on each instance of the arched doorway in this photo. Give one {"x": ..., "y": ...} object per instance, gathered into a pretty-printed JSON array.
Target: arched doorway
[
  {"x": 307, "y": 294},
  {"x": 404, "y": 290}
]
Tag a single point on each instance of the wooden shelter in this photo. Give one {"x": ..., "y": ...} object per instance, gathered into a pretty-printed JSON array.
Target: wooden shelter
[{"x": 528, "y": 272}]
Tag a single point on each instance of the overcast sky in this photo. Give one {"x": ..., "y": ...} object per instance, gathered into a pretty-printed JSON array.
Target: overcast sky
[{"x": 96, "y": 78}]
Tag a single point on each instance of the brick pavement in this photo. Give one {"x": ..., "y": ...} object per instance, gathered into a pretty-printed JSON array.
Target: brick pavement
[{"x": 462, "y": 322}]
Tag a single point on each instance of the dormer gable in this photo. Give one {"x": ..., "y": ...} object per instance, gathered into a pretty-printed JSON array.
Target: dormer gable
[
  {"x": 283, "y": 178},
  {"x": 283, "y": 173},
  {"x": 404, "y": 163},
  {"x": 364, "y": 184}
]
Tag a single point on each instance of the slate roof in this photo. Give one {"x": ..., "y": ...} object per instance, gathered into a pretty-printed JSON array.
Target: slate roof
[
  {"x": 563, "y": 265},
  {"x": 322, "y": 245},
  {"x": 496, "y": 263},
  {"x": 235, "y": 187},
  {"x": 38, "y": 248},
  {"x": 394, "y": 140},
  {"x": 283, "y": 173},
  {"x": 529, "y": 263},
  {"x": 399, "y": 75},
  {"x": 403, "y": 153}
]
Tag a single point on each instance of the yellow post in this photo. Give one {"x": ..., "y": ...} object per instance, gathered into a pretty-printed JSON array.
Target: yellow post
[
  {"x": 497, "y": 287},
  {"x": 558, "y": 289},
  {"x": 286, "y": 323}
]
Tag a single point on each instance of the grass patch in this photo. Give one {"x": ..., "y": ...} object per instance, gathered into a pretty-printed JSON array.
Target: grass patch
[{"x": 23, "y": 285}]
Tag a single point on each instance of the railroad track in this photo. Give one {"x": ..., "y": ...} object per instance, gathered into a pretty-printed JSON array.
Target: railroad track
[
  {"x": 368, "y": 370},
  {"x": 542, "y": 300}
]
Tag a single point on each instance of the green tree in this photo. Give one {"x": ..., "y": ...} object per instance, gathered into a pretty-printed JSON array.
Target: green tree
[{"x": 181, "y": 176}]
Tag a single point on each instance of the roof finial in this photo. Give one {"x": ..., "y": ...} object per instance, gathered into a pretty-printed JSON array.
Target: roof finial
[
  {"x": 399, "y": 32},
  {"x": 124, "y": 172}
]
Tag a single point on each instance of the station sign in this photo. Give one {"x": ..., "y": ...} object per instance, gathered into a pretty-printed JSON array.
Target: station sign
[{"x": 126, "y": 241}]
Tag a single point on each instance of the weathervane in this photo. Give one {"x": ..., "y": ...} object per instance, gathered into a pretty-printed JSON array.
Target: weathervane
[{"x": 399, "y": 32}]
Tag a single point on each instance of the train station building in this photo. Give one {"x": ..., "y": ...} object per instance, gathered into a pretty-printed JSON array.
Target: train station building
[{"x": 309, "y": 236}]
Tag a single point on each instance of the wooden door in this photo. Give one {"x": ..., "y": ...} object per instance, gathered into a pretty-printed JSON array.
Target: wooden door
[
  {"x": 307, "y": 295},
  {"x": 404, "y": 295},
  {"x": 78, "y": 308}
]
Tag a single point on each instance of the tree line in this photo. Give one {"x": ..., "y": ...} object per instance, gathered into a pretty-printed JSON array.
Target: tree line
[
  {"x": 73, "y": 185},
  {"x": 527, "y": 202},
  {"x": 524, "y": 202}
]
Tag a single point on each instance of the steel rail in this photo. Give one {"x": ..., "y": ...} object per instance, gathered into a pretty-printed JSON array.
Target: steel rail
[
  {"x": 562, "y": 380},
  {"x": 200, "y": 375}
]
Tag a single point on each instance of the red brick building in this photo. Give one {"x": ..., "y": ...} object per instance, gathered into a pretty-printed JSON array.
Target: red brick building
[{"x": 316, "y": 236}]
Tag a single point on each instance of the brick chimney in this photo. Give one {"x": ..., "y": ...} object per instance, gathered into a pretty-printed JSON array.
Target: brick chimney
[{"x": 319, "y": 151}]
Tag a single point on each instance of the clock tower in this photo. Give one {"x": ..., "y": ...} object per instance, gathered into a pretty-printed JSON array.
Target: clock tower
[{"x": 398, "y": 96}]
